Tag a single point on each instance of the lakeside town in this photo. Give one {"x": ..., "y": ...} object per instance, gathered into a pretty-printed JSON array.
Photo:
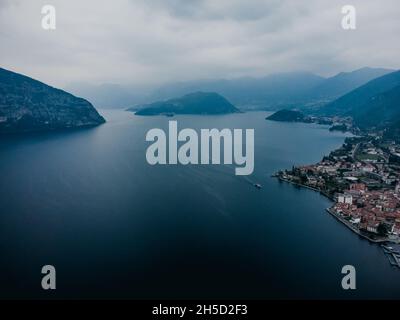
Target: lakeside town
[{"x": 362, "y": 177}]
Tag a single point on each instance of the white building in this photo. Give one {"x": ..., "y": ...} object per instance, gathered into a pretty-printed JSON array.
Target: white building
[
  {"x": 355, "y": 220},
  {"x": 345, "y": 198}
]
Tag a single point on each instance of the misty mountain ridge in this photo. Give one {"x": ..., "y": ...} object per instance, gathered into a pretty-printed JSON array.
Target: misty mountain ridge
[
  {"x": 344, "y": 82},
  {"x": 109, "y": 95},
  {"x": 293, "y": 89},
  {"x": 303, "y": 90},
  {"x": 373, "y": 102},
  {"x": 356, "y": 100},
  {"x": 249, "y": 93},
  {"x": 372, "y": 106}
]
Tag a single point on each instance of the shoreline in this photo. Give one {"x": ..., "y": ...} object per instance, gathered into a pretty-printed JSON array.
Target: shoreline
[
  {"x": 331, "y": 212},
  {"x": 303, "y": 186},
  {"x": 355, "y": 230}
]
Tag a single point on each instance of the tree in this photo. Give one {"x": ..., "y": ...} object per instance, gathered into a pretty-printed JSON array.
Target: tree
[{"x": 382, "y": 229}]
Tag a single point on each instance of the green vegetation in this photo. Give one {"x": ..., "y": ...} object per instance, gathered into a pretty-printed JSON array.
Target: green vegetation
[
  {"x": 358, "y": 99},
  {"x": 366, "y": 156},
  {"x": 287, "y": 116},
  {"x": 193, "y": 103},
  {"x": 382, "y": 229},
  {"x": 29, "y": 105}
]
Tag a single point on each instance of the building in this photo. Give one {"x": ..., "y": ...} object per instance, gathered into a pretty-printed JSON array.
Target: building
[
  {"x": 345, "y": 198},
  {"x": 358, "y": 187},
  {"x": 355, "y": 220},
  {"x": 368, "y": 168},
  {"x": 372, "y": 227},
  {"x": 396, "y": 228}
]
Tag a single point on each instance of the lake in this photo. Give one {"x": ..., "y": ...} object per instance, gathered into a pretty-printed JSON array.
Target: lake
[{"x": 87, "y": 202}]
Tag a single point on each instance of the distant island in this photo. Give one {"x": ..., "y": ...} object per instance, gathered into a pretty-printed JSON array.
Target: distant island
[
  {"x": 193, "y": 103},
  {"x": 28, "y": 105},
  {"x": 288, "y": 116}
]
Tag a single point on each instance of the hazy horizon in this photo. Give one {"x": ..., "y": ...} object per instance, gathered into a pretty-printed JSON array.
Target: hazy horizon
[{"x": 151, "y": 43}]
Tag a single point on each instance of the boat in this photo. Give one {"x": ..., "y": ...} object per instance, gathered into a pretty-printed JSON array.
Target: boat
[
  {"x": 390, "y": 251},
  {"x": 258, "y": 186},
  {"x": 387, "y": 251},
  {"x": 392, "y": 262}
]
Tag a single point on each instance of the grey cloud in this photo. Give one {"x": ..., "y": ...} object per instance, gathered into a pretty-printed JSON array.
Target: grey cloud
[{"x": 144, "y": 42}]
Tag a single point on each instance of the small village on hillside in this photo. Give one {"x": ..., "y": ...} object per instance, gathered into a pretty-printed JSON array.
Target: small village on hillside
[{"x": 362, "y": 177}]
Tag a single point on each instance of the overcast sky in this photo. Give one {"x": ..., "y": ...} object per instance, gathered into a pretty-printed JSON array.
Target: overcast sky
[{"x": 134, "y": 42}]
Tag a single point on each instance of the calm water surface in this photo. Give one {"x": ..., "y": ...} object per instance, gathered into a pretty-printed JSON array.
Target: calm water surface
[{"x": 88, "y": 203}]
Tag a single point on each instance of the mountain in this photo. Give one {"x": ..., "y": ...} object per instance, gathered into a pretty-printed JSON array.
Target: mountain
[
  {"x": 287, "y": 116},
  {"x": 303, "y": 90},
  {"x": 344, "y": 82},
  {"x": 109, "y": 95},
  {"x": 393, "y": 131},
  {"x": 349, "y": 103},
  {"x": 30, "y": 105},
  {"x": 270, "y": 92},
  {"x": 380, "y": 111},
  {"x": 373, "y": 106},
  {"x": 193, "y": 103},
  {"x": 300, "y": 90}
]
